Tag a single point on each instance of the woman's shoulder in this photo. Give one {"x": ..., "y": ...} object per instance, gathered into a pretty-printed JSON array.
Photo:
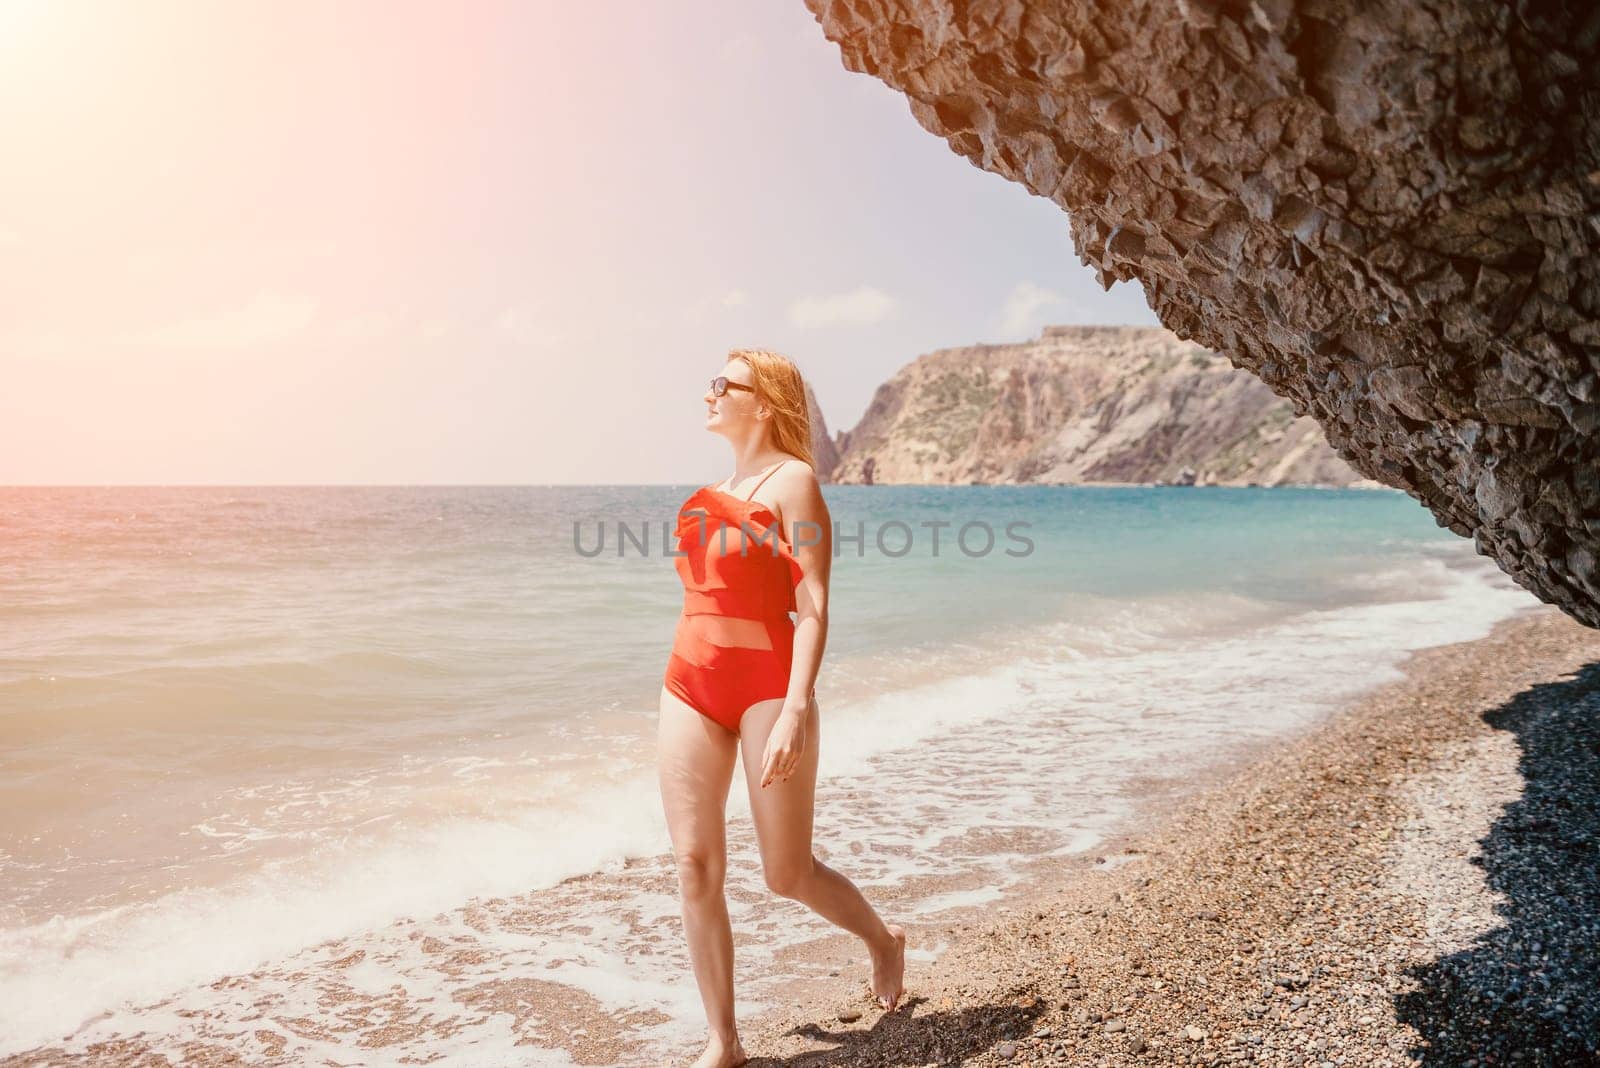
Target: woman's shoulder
[
  {"x": 795, "y": 473},
  {"x": 796, "y": 484},
  {"x": 792, "y": 464}
]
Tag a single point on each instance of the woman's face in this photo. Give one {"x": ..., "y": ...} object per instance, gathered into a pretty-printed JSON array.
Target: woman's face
[{"x": 735, "y": 410}]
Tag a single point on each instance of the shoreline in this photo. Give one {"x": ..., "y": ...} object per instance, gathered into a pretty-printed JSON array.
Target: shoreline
[
  {"x": 985, "y": 957},
  {"x": 1312, "y": 901}
]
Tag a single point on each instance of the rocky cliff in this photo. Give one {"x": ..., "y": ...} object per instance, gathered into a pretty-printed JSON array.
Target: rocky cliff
[
  {"x": 1389, "y": 213},
  {"x": 824, "y": 452},
  {"x": 1085, "y": 404}
]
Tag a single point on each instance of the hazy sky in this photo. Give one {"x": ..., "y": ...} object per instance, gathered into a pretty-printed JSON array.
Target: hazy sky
[{"x": 297, "y": 242}]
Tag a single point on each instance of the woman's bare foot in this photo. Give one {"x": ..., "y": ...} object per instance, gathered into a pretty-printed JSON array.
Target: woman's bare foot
[
  {"x": 888, "y": 970},
  {"x": 722, "y": 1053}
]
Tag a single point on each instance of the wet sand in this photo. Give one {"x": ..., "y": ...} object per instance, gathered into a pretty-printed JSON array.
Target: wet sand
[{"x": 1416, "y": 879}]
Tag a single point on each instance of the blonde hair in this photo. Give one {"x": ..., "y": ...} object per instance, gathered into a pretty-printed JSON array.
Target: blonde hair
[{"x": 779, "y": 383}]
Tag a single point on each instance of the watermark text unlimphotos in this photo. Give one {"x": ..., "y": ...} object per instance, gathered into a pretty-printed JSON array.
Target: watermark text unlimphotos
[{"x": 893, "y": 537}]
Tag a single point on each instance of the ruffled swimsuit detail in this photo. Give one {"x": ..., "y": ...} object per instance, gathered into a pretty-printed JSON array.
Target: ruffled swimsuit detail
[{"x": 734, "y": 643}]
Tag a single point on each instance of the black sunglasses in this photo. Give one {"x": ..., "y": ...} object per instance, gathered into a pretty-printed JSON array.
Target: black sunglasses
[{"x": 720, "y": 386}]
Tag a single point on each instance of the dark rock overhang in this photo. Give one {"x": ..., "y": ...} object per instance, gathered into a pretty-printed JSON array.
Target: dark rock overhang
[{"x": 1390, "y": 213}]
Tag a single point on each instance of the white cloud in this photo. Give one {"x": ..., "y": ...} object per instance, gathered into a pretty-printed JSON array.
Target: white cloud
[
  {"x": 148, "y": 262},
  {"x": 859, "y": 307},
  {"x": 364, "y": 327},
  {"x": 50, "y": 343},
  {"x": 529, "y": 324},
  {"x": 697, "y": 312},
  {"x": 1025, "y": 309},
  {"x": 266, "y": 317},
  {"x": 743, "y": 50}
]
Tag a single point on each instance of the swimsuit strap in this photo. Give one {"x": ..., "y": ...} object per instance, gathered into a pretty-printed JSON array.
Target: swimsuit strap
[{"x": 774, "y": 467}]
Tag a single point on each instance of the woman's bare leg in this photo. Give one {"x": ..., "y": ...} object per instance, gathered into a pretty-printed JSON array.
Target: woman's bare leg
[
  {"x": 695, "y": 756},
  {"x": 782, "y": 812}
]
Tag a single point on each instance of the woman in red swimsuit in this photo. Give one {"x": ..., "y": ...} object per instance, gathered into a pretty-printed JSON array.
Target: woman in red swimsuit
[{"x": 741, "y": 676}]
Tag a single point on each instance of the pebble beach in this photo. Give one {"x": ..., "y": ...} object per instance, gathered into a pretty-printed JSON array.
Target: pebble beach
[{"x": 1415, "y": 880}]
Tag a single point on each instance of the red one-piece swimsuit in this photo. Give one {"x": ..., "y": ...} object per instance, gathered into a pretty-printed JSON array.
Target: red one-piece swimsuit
[{"x": 734, "y": 643}]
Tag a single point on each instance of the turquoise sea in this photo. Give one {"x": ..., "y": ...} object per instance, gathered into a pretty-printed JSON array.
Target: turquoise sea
[{"x": 304, "y": 737}]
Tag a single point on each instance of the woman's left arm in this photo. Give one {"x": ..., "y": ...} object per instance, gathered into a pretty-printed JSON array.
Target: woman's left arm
[{"x": 810, "y": 531}]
